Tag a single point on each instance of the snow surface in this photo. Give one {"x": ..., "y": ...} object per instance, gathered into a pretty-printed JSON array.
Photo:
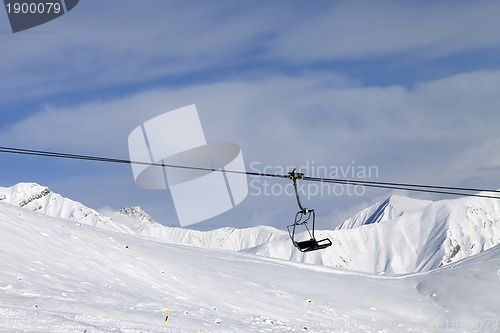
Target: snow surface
[{"x": 64, "y": 276}]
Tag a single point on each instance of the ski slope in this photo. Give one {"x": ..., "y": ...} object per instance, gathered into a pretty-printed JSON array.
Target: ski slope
[{"x": 63, "y": 276}]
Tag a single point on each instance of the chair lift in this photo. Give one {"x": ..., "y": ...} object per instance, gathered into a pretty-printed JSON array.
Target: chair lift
[{"x": 301, "y": 218}]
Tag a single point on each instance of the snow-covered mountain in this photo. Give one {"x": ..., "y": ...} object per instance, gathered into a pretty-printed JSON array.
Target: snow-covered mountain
[
  {"x": 39, "y": 198},
  {"x": 396, "y": 236},
  {"x": 388, "y": 239},
  {"x": 138, "y": 214},
  {"x": 61, "y": 277}
]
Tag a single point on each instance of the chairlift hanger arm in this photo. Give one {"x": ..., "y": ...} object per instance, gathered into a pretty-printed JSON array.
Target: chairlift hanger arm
[{"x": 294, "y": 176}]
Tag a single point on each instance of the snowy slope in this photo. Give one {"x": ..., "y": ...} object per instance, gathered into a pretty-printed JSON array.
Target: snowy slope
[
  {"x": 67, "y": 277},
  {"x": 40, "y": 198},
  {"x": 422, "y": 239}
]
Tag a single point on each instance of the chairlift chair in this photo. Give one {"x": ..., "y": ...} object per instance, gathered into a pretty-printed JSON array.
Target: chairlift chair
[{"x": 303, "y": 216}]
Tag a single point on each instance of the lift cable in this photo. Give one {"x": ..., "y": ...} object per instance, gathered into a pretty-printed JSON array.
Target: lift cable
[
  {"x": 408, "y": 187},
  {"x": 460, "y": 191}
]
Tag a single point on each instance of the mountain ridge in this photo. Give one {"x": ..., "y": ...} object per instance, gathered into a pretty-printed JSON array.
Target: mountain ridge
[
  {"x": 40, "y": 198},
  {"x": 391, "y": 208}
]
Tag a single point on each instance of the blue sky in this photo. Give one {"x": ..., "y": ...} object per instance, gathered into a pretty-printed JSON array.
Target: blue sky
[{"x": 409, "y": 87}]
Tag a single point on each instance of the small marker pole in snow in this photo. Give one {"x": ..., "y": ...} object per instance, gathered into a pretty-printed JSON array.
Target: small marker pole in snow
[{"x": 166, "y": 318}]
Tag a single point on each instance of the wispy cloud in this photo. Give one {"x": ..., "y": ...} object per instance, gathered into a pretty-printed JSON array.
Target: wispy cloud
[{"x": 324, "y": 115}]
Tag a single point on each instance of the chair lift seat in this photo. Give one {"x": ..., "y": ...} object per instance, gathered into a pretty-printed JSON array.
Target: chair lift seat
[{"x": 312, "y": 245}]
